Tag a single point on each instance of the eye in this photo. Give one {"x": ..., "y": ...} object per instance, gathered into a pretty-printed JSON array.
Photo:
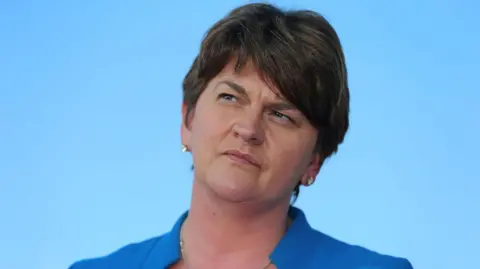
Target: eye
[
  {"x": 282, "y": 116},
  {"x": 227, "y": 97}
]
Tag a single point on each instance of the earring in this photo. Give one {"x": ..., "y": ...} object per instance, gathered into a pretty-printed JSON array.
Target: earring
[
  {"x": 184, "y": 148},
  {"x": 310, "y": 181}
]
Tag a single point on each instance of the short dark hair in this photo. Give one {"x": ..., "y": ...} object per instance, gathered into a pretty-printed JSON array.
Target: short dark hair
[{"x": 298, "y": 52}]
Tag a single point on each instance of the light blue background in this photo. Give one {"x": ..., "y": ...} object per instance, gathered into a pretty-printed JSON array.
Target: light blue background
[{"x": 90, "y": 95}]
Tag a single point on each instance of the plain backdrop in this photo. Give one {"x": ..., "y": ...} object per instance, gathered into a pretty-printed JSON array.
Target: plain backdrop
[{"x": 90, "y": 95}]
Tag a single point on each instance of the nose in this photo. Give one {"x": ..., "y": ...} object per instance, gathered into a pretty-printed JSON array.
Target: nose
[{"x": 249, "y": 129}]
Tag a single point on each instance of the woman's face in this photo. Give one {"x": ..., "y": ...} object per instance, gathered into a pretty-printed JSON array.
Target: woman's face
[{"x": 247, "y": 143}]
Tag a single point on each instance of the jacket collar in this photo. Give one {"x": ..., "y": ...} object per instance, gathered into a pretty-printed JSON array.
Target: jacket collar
[{"x": 291, "y": 250}]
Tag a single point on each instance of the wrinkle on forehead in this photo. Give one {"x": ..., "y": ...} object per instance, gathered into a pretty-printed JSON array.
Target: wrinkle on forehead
[{"x": 248, "y": 69}]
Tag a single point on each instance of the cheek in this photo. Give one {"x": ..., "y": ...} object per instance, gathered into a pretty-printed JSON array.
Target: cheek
[
  {"x": 209, "y": 126},
  {"x": 206, "y": 125},
  {"x": 288, "y": 163},
  {"x": 290, "y": 158}
]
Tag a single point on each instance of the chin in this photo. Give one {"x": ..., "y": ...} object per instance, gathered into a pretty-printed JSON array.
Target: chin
[{"x": 235, "y": 186}]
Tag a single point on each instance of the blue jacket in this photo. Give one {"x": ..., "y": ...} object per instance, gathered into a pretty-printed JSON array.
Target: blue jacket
[{"x": 302, "y": 247}]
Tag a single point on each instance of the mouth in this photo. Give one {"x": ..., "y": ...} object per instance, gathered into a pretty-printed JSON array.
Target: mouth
[{"x": 242, "y": 158}]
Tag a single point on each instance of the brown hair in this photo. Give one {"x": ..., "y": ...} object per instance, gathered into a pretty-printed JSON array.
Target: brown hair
[{"x": 297, "y": 51}]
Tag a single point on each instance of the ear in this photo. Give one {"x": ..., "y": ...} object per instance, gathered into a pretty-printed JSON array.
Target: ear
[
  {"x": 185, "y": 132},
  {"x": 313, "y": 169}
]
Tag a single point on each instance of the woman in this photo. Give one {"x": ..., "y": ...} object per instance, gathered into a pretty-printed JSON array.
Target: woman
[{"x": 264, "y": 104}]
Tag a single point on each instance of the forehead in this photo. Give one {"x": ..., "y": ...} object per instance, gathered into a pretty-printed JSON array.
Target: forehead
[{"x": 247, "y": 76}]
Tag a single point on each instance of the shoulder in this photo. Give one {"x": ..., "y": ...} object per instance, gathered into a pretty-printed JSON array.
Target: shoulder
[
  {"x": 347, "y": 256},
  {"x": 129, "y": 256}
]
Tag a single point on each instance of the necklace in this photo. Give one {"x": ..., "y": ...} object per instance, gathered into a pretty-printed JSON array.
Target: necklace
[{"x": 182, "y": 251}]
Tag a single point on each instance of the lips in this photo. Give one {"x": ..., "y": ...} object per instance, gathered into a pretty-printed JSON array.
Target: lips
[{"x": 242, "y": 157}]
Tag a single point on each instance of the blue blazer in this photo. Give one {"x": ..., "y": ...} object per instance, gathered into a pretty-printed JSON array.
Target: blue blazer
[{"x": 302, "y": 247}]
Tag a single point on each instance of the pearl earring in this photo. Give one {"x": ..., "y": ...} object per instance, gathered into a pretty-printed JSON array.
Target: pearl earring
[
  {"x": 184, "y": 148},
  {"x": 310, "y": 181}
]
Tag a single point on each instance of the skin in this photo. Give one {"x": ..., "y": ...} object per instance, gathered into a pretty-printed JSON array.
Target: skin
[{"x": 239, "y": 210}]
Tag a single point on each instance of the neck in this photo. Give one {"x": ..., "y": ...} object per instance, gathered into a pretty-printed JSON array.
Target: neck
[{"x": 234, "y": 235}]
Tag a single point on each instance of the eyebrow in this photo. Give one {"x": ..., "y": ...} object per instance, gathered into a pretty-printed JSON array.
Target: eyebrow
[
  {"x": 234, "y": 86},
  {"x": 281, "y": 105}
]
